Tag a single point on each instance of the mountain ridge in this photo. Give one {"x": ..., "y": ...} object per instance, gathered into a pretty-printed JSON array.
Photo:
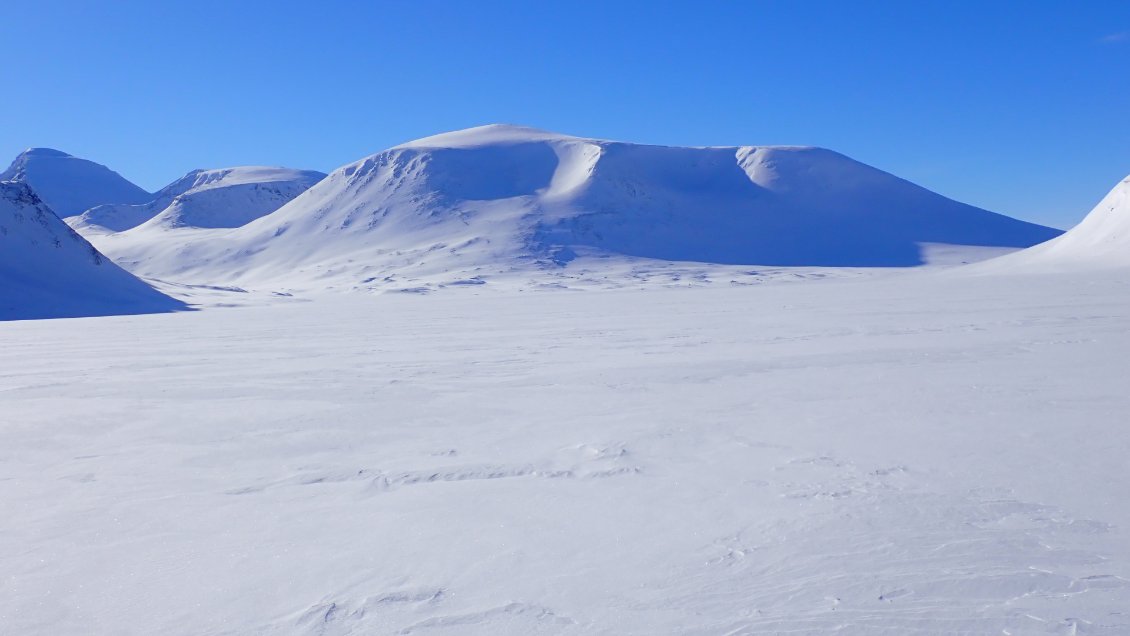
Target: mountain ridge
[
  {"x": 249, "y": 192},
  {"x": 50, "y": 271},
  {"x": 503, "y": 198},
  {"x": 70, "y": 185}
]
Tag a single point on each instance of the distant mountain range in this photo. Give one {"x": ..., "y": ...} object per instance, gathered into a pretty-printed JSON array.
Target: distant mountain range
[
  {"x": 498, "y": 200},
  {"x": 501, "y": 199},
  {"x": 229, "y": 197}
]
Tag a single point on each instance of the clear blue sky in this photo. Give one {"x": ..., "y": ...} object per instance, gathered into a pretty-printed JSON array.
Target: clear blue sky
[{"x": 1018, "y": 107}]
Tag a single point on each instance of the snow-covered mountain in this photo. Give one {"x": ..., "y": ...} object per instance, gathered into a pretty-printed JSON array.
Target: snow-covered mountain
[
  {"x": 503, "y": 198},
  {"x": 69, "y": 185},
  {"x": 1100, "y": 241},
  {"x": 48, "y": 271},
  {"x": 228, "y": 197}
]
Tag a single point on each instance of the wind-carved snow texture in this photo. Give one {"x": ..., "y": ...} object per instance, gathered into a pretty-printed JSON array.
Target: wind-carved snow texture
[
  {"x": 49, "y": 271},
  {"x": 223, "y": 198},
  {"x": 69, "y": 185},
  {"x": 884, "y": 456},
  {"x": 508, "y": 203},
  {"x": 579, "y": 462}
]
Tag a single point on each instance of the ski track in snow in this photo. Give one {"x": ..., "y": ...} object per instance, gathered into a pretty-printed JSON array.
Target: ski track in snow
[{"x": 915, "y": 454}]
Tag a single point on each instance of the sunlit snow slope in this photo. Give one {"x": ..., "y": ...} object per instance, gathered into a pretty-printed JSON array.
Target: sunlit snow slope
[
  {"x": 47, "y": 270},
  {"x": 228, "y": 197},
  {"x": 1100, "y": 241},
  {"x": 69, "y": 185},
  {"x": 501, "y": 198}
]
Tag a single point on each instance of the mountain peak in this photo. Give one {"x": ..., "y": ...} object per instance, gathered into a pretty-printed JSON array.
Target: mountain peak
[
  {"x": 70, "y": 185},
  {"x": 486, "y": 135},
  {"x": 44, "y": 152},
  {"x": 50, "y": 271}
]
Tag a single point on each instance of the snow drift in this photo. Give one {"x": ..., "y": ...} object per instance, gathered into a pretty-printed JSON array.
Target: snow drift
[
  {"x": 49, "y": 271},
  {"x": 224, "y": 198},
  {"x": 69, "y": 185},
  {"x": 503, "y": 199},
  {"x": 1100, "y": 241}
]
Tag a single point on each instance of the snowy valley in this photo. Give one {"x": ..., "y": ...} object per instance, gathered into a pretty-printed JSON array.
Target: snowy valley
[{"x": 508, "y": 381}]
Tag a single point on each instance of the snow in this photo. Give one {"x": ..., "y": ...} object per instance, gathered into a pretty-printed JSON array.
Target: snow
[
  {"x": 222, "y": 198},
  {"x": 1100, "y": 241},
  {"x": 70, "y": 185},
  {"x": 48, "y": 271},
  {"x": 921, "y": 453},
  {"x": 489, "y": 135},
  {"x": 624, "y": 389},
  {"x": 498, "y": 203}
]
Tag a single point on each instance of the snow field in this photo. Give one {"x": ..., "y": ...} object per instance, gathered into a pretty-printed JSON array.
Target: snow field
[{"x": 926, "y": 454}]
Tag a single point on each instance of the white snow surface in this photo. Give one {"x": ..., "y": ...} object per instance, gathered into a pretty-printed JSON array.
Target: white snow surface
[
  {"x": 1100, "y": 241},
  {"x": 222, "y": 198},
  {"x": 921, "y": 453},
  {"x": 503, "y": 201},
  {"x": 69, "y": 185},
  {"x": 615, "y": 419},
  {"x": 48, "y": 271}
]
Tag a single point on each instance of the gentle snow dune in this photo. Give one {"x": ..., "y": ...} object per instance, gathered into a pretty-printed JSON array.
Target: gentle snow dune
[
  {"x": 1100, "y": 241},
  {"x": 224, "y": 198},
  {"x": 499, "y": 199},
  {"x": 49, "y": 271},
  {"x": 917, "y": 455},
  {"x": 69, "y": 185}
]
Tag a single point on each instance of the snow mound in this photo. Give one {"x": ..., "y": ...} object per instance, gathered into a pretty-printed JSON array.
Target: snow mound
[
  {"x": 69, "y": 185},
  {"x": 491, "y": 134},
  {"x": 504, "y": 198},
  {"x": 49, "y": 271},
  {"x": 1100, "y": 241},
  {"x": 223, "y": 198}
]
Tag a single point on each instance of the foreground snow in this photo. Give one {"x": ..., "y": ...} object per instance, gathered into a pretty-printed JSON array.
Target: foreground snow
[{"x": 923, "y": 454}]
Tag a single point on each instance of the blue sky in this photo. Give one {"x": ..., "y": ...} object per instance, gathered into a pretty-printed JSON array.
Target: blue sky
[{"x": 1018, "y": 107}]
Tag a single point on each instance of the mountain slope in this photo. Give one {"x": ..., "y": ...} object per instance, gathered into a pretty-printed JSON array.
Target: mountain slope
[
  {"x": 499, "y": 199},
  {"x": 69, "y": 185},
  {"x": 1100, "y": 241},
  {"x": 227, "y": 197},
  {"x": 49, "y": 271}
]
